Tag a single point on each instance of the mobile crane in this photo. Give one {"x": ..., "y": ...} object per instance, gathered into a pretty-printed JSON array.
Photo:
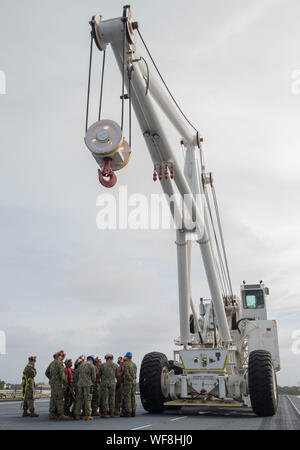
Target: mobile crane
[{"x": 228, "y": 351}]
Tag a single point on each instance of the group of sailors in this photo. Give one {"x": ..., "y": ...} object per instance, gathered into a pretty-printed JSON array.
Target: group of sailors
[{"x": 90, "y": 388}]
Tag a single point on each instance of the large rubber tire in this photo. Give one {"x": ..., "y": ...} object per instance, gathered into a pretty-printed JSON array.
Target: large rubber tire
[
  {"x": 262, "y": 383},
  {"x": 152, "y": 397}
]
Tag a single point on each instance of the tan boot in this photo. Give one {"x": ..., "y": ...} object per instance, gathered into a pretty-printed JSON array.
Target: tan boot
[
  {"x": 104, "y": 415},
  {"x": 34, "y": 414},
  {"x": 52, "y": 416},
  {"x": 89, "y": 418},
  {"x": 25, "y": 414},
  {"x": 63, "y": 417},
  {"x": 77, "y": 417},
  {"x": 95, "y": 413},
  {"x": 112, "y": 415},
  {"x": 117, "y": 412}
]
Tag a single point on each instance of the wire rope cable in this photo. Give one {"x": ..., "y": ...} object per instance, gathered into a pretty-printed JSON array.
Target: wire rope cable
[
  {"x": 101, "y": 86},
  {"x": 221, "y": 236},
  {"x": 225, "y": 283},
  {"x": 123, "y": 72},
  {"x": 164, "y": 83},
  {"x": 89, "y": 84}
]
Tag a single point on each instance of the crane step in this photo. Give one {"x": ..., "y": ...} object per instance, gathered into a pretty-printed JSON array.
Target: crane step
[{"x": 196, "y": 402}]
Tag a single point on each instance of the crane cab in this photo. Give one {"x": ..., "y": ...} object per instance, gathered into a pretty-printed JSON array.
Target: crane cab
[{"x": 253, "y": 304}]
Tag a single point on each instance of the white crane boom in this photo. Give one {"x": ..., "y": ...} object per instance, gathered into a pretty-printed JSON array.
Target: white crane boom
[{"x": 111, "y": 32}]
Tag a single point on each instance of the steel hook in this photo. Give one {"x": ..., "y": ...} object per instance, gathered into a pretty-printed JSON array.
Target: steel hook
[{"x": 106, "y": 176}]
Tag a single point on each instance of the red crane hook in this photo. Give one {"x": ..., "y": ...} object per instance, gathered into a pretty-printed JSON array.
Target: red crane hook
[{"x": 106, "y": 176}]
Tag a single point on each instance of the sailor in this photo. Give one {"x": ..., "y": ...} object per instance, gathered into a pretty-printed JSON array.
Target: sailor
[
  {"x": 108, "y": 374},
  {"x": 96, "y": 389},
  {"x": 57, "y": 379},
  {"x": 129, "y": 387},
  {"x": 119, "y": 385},
  {"x": 28, "y": 384},
  {"x": 100, "y": 396},
  {"x": 77, "y": 364},
  {"x": 86, "y": 380},
  {"x": 69, "y": 391}
]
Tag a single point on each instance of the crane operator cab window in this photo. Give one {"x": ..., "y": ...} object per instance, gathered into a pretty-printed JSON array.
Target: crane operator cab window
[
  {"x": 253, "y": 302},
  {"x": 254, "y": 299}
]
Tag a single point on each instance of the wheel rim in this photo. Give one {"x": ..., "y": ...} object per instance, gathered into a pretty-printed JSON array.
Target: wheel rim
[{"x": 164, "y": 387}]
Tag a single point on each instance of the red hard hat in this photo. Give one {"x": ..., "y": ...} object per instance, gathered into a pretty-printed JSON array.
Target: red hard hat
[{"x": 60, "y": 353}]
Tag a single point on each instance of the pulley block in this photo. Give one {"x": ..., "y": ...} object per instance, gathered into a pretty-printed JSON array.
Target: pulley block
[{"x": 105, "y": 141}]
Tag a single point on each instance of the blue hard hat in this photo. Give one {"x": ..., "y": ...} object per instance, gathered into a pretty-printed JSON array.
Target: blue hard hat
[
  {"x": 92, "y": 357},
  {"x": 129, "y": 354}
]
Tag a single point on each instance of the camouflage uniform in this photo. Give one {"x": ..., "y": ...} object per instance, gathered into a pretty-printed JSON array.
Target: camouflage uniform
[
  {"x": 108, "y": 373},
  {"x": 100, "y": 395},
  {"x": 57, "y": 378},
  {"x": 96, "y": 392},
  {"x": 119, "y": 389},
  {"x": 28, "y": 388},
  {"x": 129, "y": 388},
  {"x": 75, "y": 385},
  {"x": 86, "y": 379}
]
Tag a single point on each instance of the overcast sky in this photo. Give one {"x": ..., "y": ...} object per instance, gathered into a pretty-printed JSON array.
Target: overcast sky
[{"x": 67, "y": 285}]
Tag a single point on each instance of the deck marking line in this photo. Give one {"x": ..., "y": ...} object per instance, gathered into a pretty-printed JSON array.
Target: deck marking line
[
  {"x": 178, "y": 418},
  {"x": 138, "y": 428},
  {"x": 157, "y": 423},
  {"x": 293, "y": 405}
]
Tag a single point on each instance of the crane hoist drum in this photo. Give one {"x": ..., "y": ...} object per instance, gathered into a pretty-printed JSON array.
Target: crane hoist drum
[{"x": 105, "y": 141}]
